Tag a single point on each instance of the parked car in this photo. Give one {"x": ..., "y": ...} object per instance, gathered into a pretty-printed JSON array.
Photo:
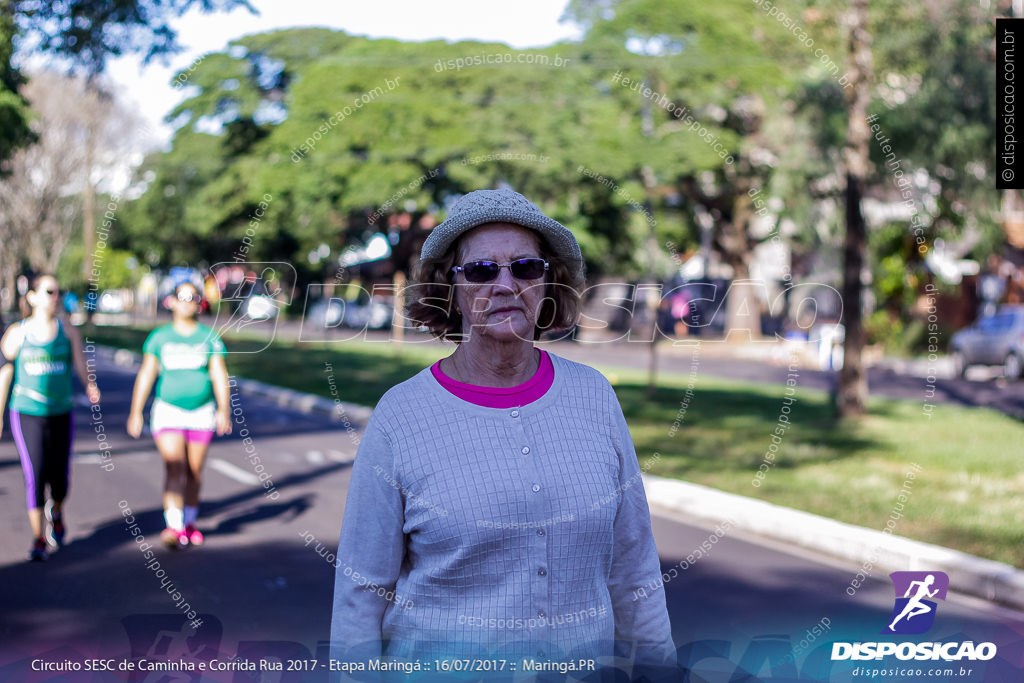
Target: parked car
[
  {"x": 113, "y": 301},
  {"x": 375, "y": 314},
  {"x": 253, "y": 300},
  {"x": 327, "y": 313},
  {"x": 259, "y": 307},
  {"x": 994, "y": 340}
]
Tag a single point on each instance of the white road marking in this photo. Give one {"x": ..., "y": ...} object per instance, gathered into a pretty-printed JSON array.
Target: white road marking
[
  {"x": 315, "y": 457},
  {"x": 338, "y": 456},
  {"x": 91, "y": 458},
  {"x": 236, "y": 473}
]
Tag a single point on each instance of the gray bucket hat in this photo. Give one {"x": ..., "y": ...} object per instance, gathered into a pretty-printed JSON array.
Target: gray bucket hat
[{"x": 500, "y": 206}]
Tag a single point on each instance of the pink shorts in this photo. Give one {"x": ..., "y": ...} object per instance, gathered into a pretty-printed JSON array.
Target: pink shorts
[
  {"x": 197, "y": 426},
  {"x": 200, "y": 436}
]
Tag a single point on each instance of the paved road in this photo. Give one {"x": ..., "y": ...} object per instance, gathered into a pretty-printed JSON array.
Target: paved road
[{"x": 261, "y": 592}]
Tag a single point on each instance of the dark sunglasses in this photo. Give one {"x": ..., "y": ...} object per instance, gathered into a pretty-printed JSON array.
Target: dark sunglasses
[{"x": 485, "y": 271}]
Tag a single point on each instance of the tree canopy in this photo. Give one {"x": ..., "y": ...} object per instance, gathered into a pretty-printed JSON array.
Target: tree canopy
[{"x": 666, "y": 115}]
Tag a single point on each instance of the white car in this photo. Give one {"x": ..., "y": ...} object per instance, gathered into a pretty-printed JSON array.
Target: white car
[
  {"x": 111, "y": 301},
  {"x": 994, "y": 340},
  {"x": 259, "y": 307}
]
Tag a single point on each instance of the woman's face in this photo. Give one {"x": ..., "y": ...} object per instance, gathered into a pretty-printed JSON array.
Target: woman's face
[
  {"x": 46, "y": 295},
  {"x": 506, "y": 308},
  {"x": 186, "y": 301}
]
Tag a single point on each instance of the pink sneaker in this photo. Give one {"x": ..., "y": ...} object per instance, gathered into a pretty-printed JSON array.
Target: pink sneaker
[
  {"x": 39, "y": 552},
  {"x": 174, "y": 539},
  {"x": 194, "y": 535}
]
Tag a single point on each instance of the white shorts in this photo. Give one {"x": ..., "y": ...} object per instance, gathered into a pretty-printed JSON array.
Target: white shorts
[{"x": 163, "y": 415}]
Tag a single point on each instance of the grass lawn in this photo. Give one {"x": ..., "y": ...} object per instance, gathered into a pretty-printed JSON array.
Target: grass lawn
[{"x": 968, "y": 493}]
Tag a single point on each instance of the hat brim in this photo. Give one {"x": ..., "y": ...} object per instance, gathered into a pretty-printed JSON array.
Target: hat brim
[{"x": 558, "y": 236}]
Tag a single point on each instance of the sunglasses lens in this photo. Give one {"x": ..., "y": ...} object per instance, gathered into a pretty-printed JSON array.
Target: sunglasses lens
[
  {"x": 481, "y": 271},
  {"x": 527, "y": 268}
]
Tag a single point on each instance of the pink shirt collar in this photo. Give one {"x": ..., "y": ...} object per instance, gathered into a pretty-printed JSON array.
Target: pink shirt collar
[{"x": 500, "y": 397}]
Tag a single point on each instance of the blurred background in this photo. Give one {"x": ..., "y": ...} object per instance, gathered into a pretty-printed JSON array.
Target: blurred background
[{"x": 764, "y": 187}]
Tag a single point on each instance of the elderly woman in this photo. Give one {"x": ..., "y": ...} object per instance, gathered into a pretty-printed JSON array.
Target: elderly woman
[{"x": 495, "y": 507}]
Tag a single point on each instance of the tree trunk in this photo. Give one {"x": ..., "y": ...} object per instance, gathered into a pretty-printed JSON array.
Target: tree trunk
[
  {"x": 743, "y": 298},
  {"x": 9, "y": 293},
  {"x": 647, "y": 128},
  {"x": 853, "y": 388},
  {"x": 88, "y": 214},
  {"x": 743, "y": 306}
]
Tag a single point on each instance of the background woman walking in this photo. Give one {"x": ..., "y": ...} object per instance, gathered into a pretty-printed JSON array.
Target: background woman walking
[
  {"x": 43, "y": 350},
  {"x": 188, "y": 358}
]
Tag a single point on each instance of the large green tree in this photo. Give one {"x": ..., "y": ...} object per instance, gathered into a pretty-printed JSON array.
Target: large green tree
[
  {"x": 728, "y": 71},
  {"x": 341, "y": 130},
  {"x": 929, "y": 92}
]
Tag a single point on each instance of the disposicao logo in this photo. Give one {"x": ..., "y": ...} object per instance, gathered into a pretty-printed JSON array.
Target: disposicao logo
[{"x": 914, "y": 613}]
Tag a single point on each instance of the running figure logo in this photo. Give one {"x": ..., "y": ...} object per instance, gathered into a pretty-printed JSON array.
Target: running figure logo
[{"x": 914, "y": 612}]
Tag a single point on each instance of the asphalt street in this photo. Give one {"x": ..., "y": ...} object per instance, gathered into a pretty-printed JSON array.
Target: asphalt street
[{"x": 261, "y": 589}]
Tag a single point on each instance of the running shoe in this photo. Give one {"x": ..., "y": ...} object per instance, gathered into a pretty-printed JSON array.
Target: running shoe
[
  {"x": 174, "y": 538},
  {"x": 38, "y": 552},
  {"x": 55, "y": 532},
  {"x": 195, "y": 536}
]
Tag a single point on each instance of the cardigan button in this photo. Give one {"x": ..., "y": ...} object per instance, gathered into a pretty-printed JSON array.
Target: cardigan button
[
  {"x": 514, "y": 413},
  {"x": 536, "y": 488}
]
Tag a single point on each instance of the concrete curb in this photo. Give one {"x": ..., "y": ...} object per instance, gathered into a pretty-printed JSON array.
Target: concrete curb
[
  {"x": 873, "y": 551},
  {"x": 306, "y": 403},
  {"x": 869, "y": 549}
]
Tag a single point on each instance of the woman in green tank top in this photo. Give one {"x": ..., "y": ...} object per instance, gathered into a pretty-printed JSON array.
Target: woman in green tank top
[{"x": 44, "y": 352}]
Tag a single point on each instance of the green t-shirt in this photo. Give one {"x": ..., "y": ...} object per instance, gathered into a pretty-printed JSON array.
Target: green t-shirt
[
  {"x": 184, "y": 364},
  {"x": 42, "y": 376}
]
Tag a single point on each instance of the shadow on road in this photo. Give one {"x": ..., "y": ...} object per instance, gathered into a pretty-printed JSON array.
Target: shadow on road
[
  {"x": 99, "y": 598},
  {"x": 261, "y": 590}
]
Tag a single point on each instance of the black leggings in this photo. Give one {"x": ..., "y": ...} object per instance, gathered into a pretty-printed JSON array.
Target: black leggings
[{"x": 44, "y": 444}]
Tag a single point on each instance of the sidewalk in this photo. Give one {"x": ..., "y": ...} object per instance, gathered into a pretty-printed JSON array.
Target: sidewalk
[{"x": 873, "y": 552}]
